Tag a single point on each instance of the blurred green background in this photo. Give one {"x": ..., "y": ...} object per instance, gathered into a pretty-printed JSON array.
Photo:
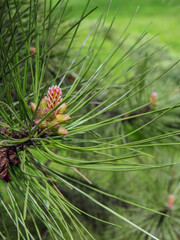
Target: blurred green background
[{"x": 163, "y": 15}]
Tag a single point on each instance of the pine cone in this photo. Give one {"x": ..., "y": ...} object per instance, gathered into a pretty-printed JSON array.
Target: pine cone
[
  {"x": 54, "y": 97},
  {"x": 12, "y": 157},
  {"x": 56, "y": 118},
  {"x": 4, "y": 163}
]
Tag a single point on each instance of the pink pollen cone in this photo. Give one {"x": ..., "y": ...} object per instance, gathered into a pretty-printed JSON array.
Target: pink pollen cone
[
  {"x": 54, "y": 97},
  {"x": 153, "y": 95},
  {"x": 170, "y": 201}
]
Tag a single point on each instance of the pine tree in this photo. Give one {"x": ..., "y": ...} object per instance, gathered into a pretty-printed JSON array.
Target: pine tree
[{"x": 67, "y": 119}]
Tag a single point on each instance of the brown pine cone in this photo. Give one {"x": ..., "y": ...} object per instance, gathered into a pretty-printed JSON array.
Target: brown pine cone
[
  {"x": 4, "y": 163},
  {"x": 12, "y": 157}
]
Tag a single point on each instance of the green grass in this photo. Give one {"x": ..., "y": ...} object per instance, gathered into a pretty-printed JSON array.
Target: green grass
[
  {"x": 147, "y": 7},
  {"x": 163, "y": 15}
]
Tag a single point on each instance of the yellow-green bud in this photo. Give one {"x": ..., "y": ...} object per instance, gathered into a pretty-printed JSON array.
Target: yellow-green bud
[
  {"x": 42, "y": 125},
  {"x": 62, "y": 108},
  {"x": 52, "y": 116},
  {"x": 32, "y": 106},
  {"x": 62, "y": 131},
  {"x": 62, "y": 118},
  {"x": 53, "y": 123},
  {"x": 43, "y": 103},
  {"x": 40, "y": 113}
]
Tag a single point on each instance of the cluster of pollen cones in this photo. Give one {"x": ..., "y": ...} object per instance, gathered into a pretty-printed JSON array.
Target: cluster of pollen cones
[{"x": 55, "y": 121}]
